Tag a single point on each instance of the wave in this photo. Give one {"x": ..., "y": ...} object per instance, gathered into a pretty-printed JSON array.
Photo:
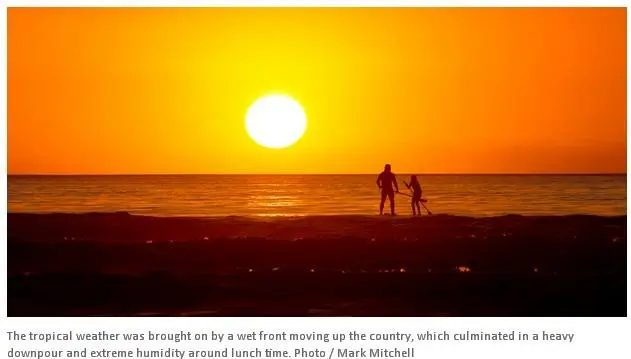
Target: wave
[{"x": 122, "y": 226}]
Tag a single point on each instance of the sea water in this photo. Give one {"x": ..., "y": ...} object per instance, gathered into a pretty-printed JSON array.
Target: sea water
[{"x": 299, "y": 195}]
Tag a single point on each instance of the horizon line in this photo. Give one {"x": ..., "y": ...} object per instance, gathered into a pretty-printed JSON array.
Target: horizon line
[{"x": 330, "y": 174}]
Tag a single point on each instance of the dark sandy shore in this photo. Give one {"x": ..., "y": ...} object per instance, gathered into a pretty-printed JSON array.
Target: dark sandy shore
[{"x": 119, "y": 264}]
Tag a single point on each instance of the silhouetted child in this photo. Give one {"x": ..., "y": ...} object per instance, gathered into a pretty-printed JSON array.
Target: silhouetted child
[{"x": 417, "y": 193}]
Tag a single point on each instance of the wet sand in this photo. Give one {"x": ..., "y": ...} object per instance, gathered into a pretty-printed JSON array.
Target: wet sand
[{"x": 120, "y": 264}]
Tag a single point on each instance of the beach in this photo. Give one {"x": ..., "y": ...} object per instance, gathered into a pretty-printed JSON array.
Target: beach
[{"x": 76, "y": 264}]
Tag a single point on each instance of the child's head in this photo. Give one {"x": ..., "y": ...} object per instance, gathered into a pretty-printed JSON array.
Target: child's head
[{"x": 414, "y": 178}]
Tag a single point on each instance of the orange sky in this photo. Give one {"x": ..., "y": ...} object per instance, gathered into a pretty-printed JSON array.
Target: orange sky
[{"x": 428, "y": 90}]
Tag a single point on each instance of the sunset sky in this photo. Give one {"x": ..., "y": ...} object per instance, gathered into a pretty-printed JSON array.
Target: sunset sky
[{"x": 428, "y": 90}]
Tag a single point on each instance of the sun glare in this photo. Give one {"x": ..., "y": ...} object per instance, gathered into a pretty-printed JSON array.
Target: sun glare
[{"x": 276, "y": 121}]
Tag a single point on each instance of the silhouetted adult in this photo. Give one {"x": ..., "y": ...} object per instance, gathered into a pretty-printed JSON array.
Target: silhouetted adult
[{"x": 386, "y": 181}]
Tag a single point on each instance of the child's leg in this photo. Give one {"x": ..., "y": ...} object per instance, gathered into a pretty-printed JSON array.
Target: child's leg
[
  {"x": 413, "y": 209},
  {"x": 416, "y": 205}
]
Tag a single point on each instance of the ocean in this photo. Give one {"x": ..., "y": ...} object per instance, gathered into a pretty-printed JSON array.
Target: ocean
[{"x": 300, "y": 195}]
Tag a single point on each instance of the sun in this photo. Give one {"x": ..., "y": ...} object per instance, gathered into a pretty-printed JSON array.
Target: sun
[{"x": 275, "y": 121}]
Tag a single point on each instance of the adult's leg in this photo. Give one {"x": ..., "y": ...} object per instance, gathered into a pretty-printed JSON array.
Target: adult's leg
[
  {"x": 391, "y": 198},
  {"x": 383, "y": 201},
  {"x": 413, "y": 208}
]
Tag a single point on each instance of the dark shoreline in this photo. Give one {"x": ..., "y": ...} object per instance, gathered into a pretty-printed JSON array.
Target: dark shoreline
[
  {"x": 122, "y": 226},
  {"x": 121, "y": 264}
]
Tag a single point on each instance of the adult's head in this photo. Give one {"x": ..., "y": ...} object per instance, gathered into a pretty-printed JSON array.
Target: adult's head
[{"x": 387, "y": 168}]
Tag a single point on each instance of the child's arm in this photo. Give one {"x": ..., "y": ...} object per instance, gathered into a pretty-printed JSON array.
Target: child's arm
[{"x": 406, "y": 184}]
